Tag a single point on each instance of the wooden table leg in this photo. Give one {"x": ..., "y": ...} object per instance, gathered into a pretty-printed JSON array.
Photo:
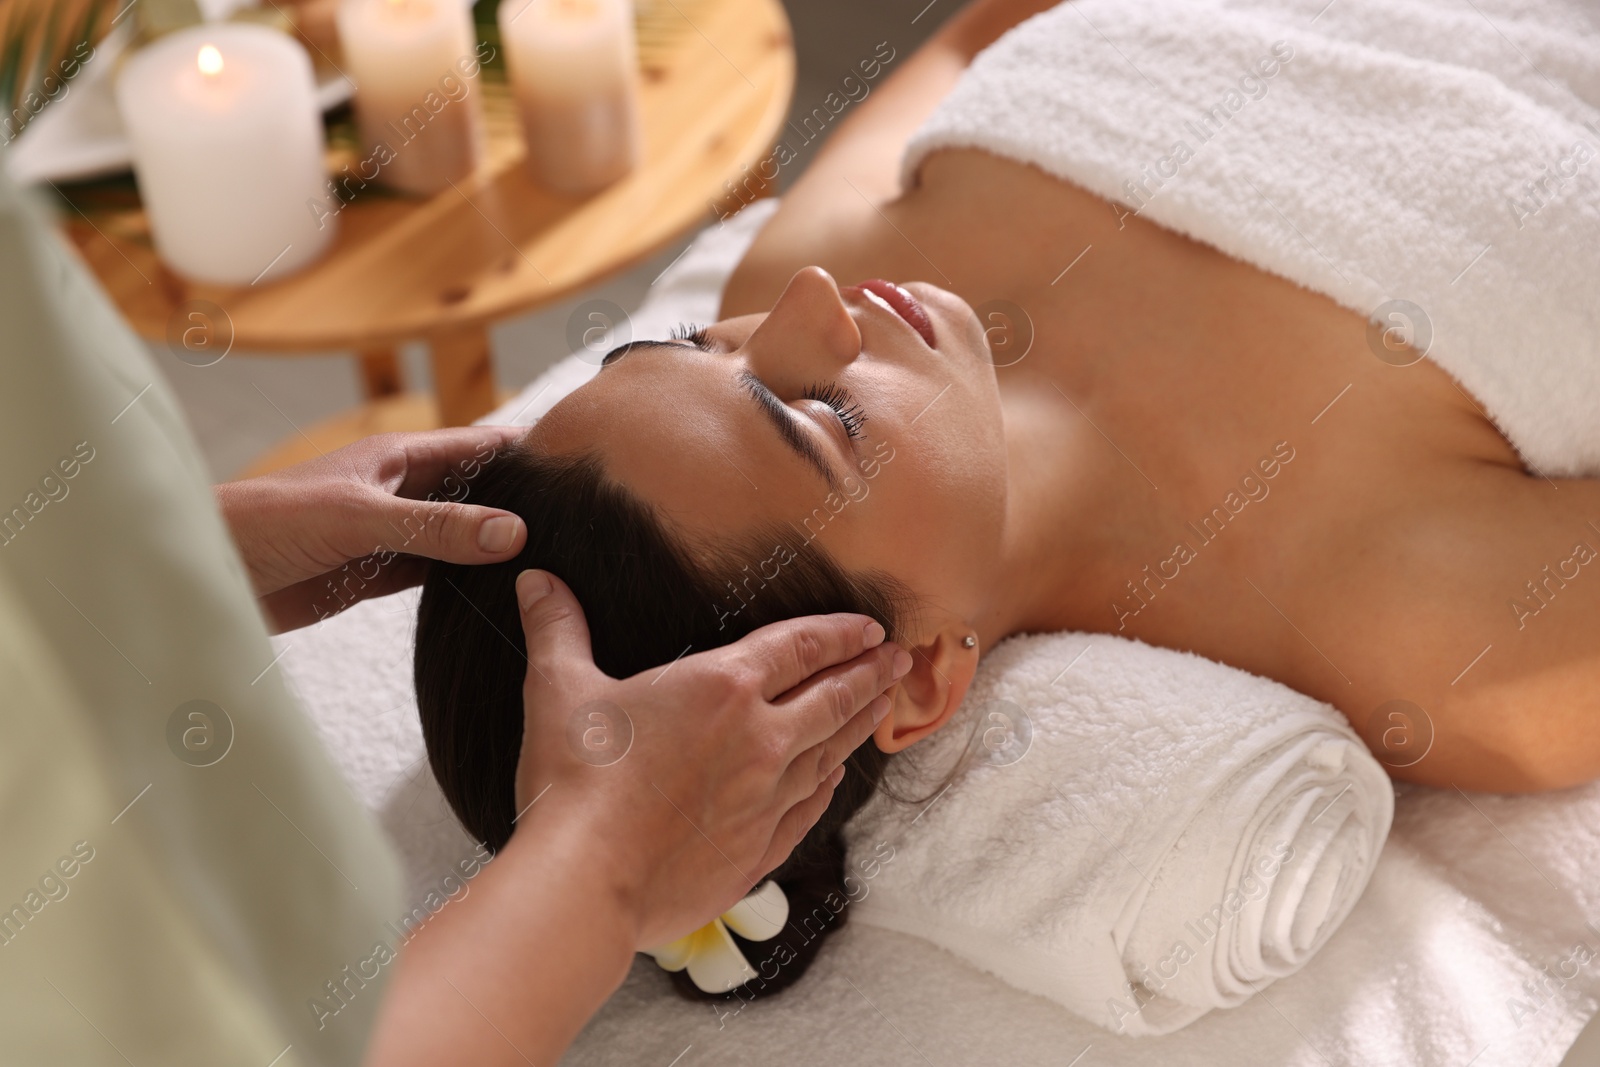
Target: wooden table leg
[
  {"x": 463, "y": 375},
  {"x": 380, "y": 372}
]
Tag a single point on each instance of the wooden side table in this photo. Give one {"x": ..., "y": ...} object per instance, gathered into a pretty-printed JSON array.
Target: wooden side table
[{"x": 716, "y": 80}]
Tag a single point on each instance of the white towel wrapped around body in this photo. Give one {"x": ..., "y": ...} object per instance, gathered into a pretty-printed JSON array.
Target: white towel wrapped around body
[
  {"x": 1138, "y": 834},
  {"x": 1431, "y": 164}
]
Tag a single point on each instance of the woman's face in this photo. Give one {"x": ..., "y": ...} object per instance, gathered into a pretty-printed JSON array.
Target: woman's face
[{"x": 832, "y": 415}]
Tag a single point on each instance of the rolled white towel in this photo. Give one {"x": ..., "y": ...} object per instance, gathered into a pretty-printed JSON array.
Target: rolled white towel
[{"x": 1138, "y": 834}]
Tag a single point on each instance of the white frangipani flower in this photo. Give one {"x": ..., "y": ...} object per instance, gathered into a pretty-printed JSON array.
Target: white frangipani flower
[{"x": 715, "y": 963}]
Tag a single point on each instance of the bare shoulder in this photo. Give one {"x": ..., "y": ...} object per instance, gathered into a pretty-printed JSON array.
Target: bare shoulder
[{"x": 957, "y": 210}]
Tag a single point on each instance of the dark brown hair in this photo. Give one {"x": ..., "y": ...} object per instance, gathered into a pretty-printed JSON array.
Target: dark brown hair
[{"x": 647, "y": 598}]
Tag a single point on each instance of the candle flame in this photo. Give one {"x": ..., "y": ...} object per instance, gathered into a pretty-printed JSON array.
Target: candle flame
[{"x": 209, "y": 60}]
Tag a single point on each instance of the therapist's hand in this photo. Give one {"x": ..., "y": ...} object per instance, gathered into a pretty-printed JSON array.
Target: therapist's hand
[
  {"x": 734, "y": 755},
  {"x": 358, "y": 522},
  {"x": 735, "y": 752}
]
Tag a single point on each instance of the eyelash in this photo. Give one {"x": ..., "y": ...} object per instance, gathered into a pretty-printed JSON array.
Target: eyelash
[
  {"x": 688, "y": 331},
  {"x": 835, "y": 396},
  {"x": 838, "y": 398}
]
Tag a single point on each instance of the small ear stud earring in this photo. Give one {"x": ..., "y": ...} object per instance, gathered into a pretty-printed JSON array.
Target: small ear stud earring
[{"x": 969, "y": 641}]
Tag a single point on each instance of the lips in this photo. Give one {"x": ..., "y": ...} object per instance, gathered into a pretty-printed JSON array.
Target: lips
[{"x": 903, "y": 304}]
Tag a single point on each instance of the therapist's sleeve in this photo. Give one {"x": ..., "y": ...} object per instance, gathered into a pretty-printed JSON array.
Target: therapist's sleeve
[{"x": 183, "y": 877}]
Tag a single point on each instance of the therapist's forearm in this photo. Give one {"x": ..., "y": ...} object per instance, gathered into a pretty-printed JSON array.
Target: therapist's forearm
[{"x": 512, "y": 971}]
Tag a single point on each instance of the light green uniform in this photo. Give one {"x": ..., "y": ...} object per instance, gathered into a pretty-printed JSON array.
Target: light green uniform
[{"x": 154, "y": 910}]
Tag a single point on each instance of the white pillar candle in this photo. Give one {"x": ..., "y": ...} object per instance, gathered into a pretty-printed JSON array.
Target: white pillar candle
[
  {"x": 227, "y": 149},
  {"x": 574, "y": 70},
  {"x": 414, "y": 63}
]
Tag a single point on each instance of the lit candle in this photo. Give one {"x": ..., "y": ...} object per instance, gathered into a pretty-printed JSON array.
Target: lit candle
[
  {"x": 413, "y": 62},
  {"x": 574, "y": 71},
  {"x": 227, "y": 149}
]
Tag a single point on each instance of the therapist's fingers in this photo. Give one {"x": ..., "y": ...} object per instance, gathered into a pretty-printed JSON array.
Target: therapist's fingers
[
  {"x": 556, "y": 634},
  {"x": 437, "y": 529},
  {"x": 826, "y": 702},
  {"x": 824, "y": 758},
  {"x": 784, "y": 654},
  {"x": 419, "y": 497},
  {"x": 797, "y": 822},
  {"x": 328, "y": 594}
]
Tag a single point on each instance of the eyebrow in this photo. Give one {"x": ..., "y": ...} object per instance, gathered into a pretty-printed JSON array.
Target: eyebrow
[
  {"x": 778, "y": 413},
  {"x": 628, "y": 346}
]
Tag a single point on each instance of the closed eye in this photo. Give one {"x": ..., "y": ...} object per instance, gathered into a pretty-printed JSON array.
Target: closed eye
[
  {"x": 683, "y": 335},
  {"x": 778, "y": 413},
  {"x": 695, "y": 335},
  {"x": 844, "y": 406},
  {"x": 786, "y": 422}
]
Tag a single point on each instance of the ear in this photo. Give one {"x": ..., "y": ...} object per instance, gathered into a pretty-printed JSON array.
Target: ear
[{"x": 942, "y": 669}]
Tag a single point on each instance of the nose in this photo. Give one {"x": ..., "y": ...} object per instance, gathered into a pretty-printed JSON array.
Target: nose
[{"x": 808, "y": 333}]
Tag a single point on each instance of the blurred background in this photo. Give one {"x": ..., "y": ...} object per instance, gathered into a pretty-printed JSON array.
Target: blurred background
[{"x": 242, "y": 406}]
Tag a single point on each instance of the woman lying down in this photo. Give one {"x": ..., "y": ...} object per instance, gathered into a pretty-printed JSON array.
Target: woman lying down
[{"x": 1192, "y": 451}]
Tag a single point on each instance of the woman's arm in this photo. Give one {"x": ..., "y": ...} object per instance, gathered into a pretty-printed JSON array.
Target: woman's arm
[
  {"x": 858, "y": 169},
  {"x": 866, "y": 148},
  {"x": 1512, "y": 629}
]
